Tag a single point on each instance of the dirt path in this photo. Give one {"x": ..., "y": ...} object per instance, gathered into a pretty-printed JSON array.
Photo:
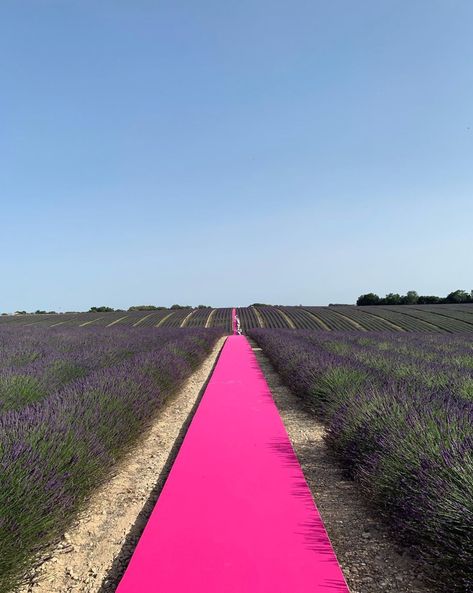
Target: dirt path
[
  {"x": 371, "y": 561},
  {"x": 209, "y": 318},
  {"x": 91, "y": 556},
  {"x": 258, "y": 316},
  {"x": 319, "y": 321},
  {"x": 161, "y": 321},
  {"x": 289, "y": 321}
]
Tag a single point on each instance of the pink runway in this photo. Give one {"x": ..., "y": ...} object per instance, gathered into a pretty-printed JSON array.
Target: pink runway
[{"x": 236, "y": 514}]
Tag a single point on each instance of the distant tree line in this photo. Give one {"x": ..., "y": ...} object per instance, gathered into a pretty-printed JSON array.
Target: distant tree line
[
  {"x": 37, "y": 312},
  {"x": 412, "y": 298},
  {"x": 145, "y": 308},
  {"x": 104, "y": 309}
]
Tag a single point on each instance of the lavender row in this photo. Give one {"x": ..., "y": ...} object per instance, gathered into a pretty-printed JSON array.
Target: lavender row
[
  {"x": 35, "y": 362},
  {"x": 56, "y": 451},
  {"x": 433, "y": 363},
  {"x": 406, "y": 440}
]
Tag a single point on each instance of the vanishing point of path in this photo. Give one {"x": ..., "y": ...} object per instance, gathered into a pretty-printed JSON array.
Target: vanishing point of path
[{"x": 236, "y": 514}]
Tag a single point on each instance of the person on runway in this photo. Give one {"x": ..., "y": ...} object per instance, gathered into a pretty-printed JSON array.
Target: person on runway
[{"x": 238, "y": 326}]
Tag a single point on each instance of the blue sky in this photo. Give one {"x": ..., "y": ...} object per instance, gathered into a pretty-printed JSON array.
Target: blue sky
[{"x": 231, "y": 152}]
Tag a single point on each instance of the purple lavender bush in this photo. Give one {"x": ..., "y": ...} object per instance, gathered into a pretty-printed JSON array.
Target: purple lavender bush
[
  {"x": 60, "y": 441},
  {"x": 399, "y": 413}
]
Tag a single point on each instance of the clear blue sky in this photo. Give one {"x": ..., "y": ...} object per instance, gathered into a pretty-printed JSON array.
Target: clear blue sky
[{"x": 162, "y": 151}]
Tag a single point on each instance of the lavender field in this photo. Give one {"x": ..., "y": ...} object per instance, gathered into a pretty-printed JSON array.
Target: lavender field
[
  {"x": 398, "y": 410},
  {"x": 72, "y": 401}
]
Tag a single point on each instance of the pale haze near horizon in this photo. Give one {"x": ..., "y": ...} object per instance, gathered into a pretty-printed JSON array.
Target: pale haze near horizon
[{"x": 217, "y": 153}]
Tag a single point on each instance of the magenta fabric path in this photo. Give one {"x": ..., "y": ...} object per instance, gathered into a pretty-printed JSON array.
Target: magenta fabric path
[{"x": 235, "y": 514}]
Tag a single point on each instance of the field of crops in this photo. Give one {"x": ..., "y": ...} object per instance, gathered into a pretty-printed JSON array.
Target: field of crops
[
  {"x": 71, "y": 402},
  {"x": 416, "y": 318},
  {"x": 399, "y": 414},
  {"x": 393, "y": 385}
]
